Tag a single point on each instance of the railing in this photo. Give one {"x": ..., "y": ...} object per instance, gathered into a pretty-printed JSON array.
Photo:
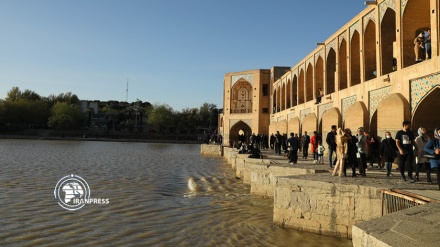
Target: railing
[{"x": 396, "y": 200}]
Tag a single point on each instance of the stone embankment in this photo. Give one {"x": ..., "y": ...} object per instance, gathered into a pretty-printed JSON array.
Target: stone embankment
[{"x": 306, "y": 197}]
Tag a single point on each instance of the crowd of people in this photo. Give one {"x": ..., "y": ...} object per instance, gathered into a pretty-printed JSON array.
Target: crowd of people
[{"x": 356, "y": 150}]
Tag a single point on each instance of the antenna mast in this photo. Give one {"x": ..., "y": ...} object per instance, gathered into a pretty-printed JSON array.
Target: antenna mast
[{"x": 126, "y": 93}]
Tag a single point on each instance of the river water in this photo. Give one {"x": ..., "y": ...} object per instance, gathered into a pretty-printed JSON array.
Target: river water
[{"x": 149, "y": 200}]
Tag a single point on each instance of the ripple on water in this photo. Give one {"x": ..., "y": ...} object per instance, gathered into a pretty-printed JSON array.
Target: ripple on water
[{"x": 150, "y": 203}]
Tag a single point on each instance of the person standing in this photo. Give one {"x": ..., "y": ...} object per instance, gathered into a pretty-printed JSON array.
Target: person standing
[
  {"x": 421, "y": 141},
  {"x": 331, "y": 142},
  {"x": 272, "y": 141},
  {"x": 428, "y": 44},
  {"x": 388, "y": 151},
  {"x": 405, "y": 142},
  {"x": 278, "y": 140},
  {"x": 305, "y": 144},
  {"x": 362, "y": 151},
  {"x": 419, "y": 47},
  {"x": 321, "y": 150},
  {"x": 373, "y": 150},
  {"x": 342, "y": 149},
  {"x": 314, "y": 148},
  {"x": 352, "y": 152},
  {"x": 433, "y": 148},
  {"x": 293, "y": 145}
]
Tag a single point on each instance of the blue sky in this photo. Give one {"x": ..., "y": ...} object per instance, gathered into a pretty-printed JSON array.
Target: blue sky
[{"x": 172, "y": 51}]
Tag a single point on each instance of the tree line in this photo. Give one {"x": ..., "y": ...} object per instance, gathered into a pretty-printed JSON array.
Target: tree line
[{"x": 27, "y": 109}]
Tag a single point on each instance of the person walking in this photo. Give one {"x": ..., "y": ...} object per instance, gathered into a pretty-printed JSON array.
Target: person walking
[
  {"x": 388, "y": 152},
  {"x": 305, "y": 144},
  {"x": 293, "y": 145},
  {"x": 421, "y": 160},
  {"x": 362, "y": 151},
  {"x": 331, "y": 142},
  {"x": 314, "y": 147},
  {"x": 405, "y": 142},
  {"x": 433, "y": 148}
]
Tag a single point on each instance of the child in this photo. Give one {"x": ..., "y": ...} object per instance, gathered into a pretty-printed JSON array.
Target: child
[{"x": 321, "y": 150}]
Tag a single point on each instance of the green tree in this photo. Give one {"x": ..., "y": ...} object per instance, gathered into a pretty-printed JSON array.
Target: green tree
[
  {"x": 161, "y": 117},
  {"x": 208, "y": 115},
  {"x": 66, "y": 116}
]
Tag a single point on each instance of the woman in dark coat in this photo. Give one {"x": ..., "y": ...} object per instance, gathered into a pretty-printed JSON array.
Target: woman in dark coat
[
  {"x": 388, "y": 151},
  {"x": 351, "y": 153}
]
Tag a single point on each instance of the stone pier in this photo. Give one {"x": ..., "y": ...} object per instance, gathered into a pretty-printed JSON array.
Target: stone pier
[{"x": 306, "y": 197}]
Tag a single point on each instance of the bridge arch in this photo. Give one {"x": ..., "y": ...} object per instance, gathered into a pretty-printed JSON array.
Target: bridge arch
[
  {"x": 235, "y": 130},
  {"x": 331, "y": 117},
  {"x": 388, "y": 37},
  {"x": 426, "y": 114},
  {"x": 309, "y": 123},
  {"x": 356, "y": 116},
  {"x": 391, "y": 112},
  {"x": 369, "y": 51},
  {"x": 293, "y": 125},
  {"x": 416, "y": 18}
]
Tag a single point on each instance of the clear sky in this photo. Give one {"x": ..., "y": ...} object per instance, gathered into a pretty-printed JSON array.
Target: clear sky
[{"x": 172, "y": 51}]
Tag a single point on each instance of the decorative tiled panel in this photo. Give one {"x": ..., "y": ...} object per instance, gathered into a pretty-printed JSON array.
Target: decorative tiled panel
[
  {"x": 322, "y": 109},
  {"x": 403, "y": 6},
  {"x": 273, "y": 120},
  {"x": 281, "y": 118},
  {"x": 383, "y": 6},
  {"x": 291, "y": 115},
  {"x": 247, "y": 77},
  {"x": 375, "y": 97},
  {"x": 232, "y": 122},
  {"x": 331, "y": 44},
  {"x": 304, "y": 113},
  {"x": 420, "y": 88},
  {"x": 353, "y": 28},
  {"x": 342, "y": 36},
  {"x": 370, "y": 16},
  {"x": 347, "y": 102},
  {"x": 320, "y": 53}
]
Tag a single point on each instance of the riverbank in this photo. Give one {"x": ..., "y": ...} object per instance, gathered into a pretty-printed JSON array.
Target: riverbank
[
  {"x": 100, "y": 136},
  {"x": 307, "y": 197}
]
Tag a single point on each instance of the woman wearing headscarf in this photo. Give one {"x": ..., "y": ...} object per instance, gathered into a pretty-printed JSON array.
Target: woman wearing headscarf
[
  {"x": 419, "y": 46},
  {"x": 433, "y": 148},
  {"x": 421, "y": 141},
  {"x": 351, "y": 153},
  {"x": 342, "y": 139},
  {"x": 388, "y": 151}
]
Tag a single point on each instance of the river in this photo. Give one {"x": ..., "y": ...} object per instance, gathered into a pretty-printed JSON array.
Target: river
[{"x": 149, "y": 200}]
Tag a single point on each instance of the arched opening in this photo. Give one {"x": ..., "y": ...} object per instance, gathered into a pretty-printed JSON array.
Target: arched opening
[
  {"x": 294, "y": 91},
  {"x": 391, "y": 112},
  {"x": 319, "y": 75},
  {"x": 330, "y": 71},
  {"x": 355, "y": 62},
  {"x": 278, "y": 99},
  {"x": 309, "y": 83},
  {"x": 388, "y": 37},
  {"x": 373, "y": 123},
  {"x": 274, "y": 100},
  {"x": 425, "y": 115},
  {"x": 309, "y": 124},
  {"x": 331, "y": 117},
  {"x": 241, "y": 100},
  {"x": 343, "y": 82},
  {"x": 283, "y": 97},
  {"x": 416, "y": 17},
  {"x": 356, "y": 116},
  {"x": 370, "y": 71},
  {"x": 293, "y": 126},
  {"x": 240, "y": 132},
  {"x": 288, "y": 94},
  {"x": 301, "y": 91}
]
